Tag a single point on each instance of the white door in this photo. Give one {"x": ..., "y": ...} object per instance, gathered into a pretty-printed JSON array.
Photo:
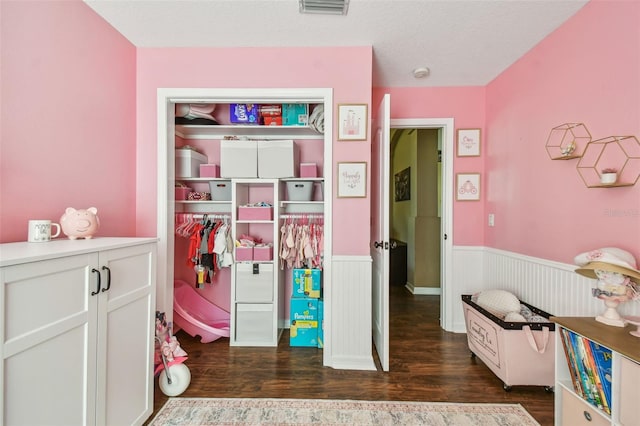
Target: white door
[{"x": 380, "y": 175}]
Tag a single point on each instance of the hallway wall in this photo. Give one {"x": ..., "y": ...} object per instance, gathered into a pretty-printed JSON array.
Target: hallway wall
[{"x": 416, "y": 221}]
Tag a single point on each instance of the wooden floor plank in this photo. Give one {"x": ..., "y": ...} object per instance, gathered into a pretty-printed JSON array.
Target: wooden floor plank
[{"x": 426, "y": 364}]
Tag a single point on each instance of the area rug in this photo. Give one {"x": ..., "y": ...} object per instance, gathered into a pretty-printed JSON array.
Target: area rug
[{"x": 243, "y": 411}]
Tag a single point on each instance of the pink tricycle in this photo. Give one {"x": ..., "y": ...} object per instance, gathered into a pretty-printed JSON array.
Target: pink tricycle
[{"x": 169, "y": 360}]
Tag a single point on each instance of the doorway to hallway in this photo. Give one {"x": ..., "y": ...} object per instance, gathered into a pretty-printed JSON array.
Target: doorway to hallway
[
  {"x": 415, "y": 216},
  {"x": 443, "y": 128}
]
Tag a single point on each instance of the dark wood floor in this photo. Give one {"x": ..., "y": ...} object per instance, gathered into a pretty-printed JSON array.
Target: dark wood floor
[{"x": 427, "y": 364}]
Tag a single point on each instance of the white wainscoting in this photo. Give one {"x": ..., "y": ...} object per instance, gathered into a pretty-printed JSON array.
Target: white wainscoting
[
  {"x": 551, "y": 286},
  {"x": 351, "y": 336}
]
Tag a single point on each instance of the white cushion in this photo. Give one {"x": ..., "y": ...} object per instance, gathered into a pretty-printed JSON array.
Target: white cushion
[
  {"x": 499, "y": 302},
  {"x": 514, "y": 317}
]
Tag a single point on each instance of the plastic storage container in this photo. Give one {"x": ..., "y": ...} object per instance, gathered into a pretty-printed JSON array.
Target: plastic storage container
[
  {"x": 220, "y": 190},
  {"x": 299, "y": 190}
]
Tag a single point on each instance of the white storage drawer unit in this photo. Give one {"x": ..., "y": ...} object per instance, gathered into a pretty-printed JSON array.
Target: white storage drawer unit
[
  {"x": 254, "y": 282},
  {"x": 254, "y": 322}
]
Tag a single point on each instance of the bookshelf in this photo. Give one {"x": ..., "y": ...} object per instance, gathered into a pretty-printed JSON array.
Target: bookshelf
[{"x": 597, "y": 373}]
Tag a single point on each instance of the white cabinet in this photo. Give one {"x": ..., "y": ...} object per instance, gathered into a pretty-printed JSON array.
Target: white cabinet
[
  {"x": 571, "y": 408},
  {"x": 77, "y": 333}
]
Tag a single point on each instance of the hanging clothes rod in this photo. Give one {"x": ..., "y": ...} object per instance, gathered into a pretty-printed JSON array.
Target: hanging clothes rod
[
  {"x": 203, "y": 215},
  {"x": 302, "y": 216}
]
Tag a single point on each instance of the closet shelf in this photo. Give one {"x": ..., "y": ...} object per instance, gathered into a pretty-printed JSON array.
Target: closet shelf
[{"x": 191, "y": 131}]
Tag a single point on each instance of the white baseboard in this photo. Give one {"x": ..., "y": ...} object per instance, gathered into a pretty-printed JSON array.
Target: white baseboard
[{"x": 426, "y": 291}]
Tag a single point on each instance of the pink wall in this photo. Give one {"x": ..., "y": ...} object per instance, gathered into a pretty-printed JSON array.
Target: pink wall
[
  {"x": 261, "y": 68},
  {"x": 466, "y": 106},
  {"x": 587, "y": 72},
  {"x": 67, "y": 117}
]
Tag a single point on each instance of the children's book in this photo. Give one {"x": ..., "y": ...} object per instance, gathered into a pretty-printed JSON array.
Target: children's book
[
  {"x": 595, "y": 376},
  {"x": 587, "y": 385},
  {"x": 571, "y": 361},
  {"x": 603, "y": 357}
]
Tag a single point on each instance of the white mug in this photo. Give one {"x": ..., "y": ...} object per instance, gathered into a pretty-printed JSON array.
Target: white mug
[{"x": 40, "y": 231}]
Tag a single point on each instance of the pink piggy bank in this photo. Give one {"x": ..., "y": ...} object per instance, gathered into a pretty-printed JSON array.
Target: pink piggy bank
[{"x": 79, "y": 223}]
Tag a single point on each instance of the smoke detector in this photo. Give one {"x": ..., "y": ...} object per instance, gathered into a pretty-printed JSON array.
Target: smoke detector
[
  {"x": 325, "y": 7},
  {"x": 421, "y": 72}
]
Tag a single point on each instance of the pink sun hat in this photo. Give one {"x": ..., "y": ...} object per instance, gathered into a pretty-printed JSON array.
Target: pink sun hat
[{"x": 610, "y": 259}]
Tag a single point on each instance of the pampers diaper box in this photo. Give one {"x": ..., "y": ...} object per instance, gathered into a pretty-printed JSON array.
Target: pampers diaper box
[
  {"x": 321, "y": 323},
  {"x": 304, "y": 322},
  {"x": 307, "y": 283}
]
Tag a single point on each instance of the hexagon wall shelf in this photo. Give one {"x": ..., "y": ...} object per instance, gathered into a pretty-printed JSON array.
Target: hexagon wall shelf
[
  {"x": 621, "y": 153},
  {"x": 567, "y": 141}
]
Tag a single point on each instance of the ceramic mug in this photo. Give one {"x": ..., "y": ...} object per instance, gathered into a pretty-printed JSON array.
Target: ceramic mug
[{"x": 40, "y": 231}]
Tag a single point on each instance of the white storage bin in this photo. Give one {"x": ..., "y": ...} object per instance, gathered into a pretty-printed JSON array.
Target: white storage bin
[
  {"x": 277, "y": 159},
  {"x": 188, "y": 162},
  {"x": 220, "y": 190},
  {"x": 254, "y": 322},
  {"x": 238, "y": 159},
  {"x": 254, "y": 282},
  {"x": 299, "y": 190}
]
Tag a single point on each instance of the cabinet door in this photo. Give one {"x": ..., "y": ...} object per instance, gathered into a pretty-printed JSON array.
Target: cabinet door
[
  {"x": 49, "y": 342},
  {"x": 126, "y": 335}
]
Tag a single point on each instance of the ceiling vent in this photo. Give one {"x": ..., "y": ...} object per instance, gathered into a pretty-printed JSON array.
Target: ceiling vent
[{"x": 325, "y": 7}]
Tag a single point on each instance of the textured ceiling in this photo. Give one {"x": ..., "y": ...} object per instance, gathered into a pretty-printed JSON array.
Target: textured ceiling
[{"x": 463, "y": 42}]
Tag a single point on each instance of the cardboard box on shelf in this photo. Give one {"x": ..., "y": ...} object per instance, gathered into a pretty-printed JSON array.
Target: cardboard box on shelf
[
  {"x": 188, "y": 162},
  {"x": 277, "y": 159}
]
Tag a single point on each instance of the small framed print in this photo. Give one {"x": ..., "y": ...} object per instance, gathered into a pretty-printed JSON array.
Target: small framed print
[
  {"x": 468, "y": 142},
  {"x": 352, "y": 180},
  {"x": 468, "y": 186},
  {"x": 403, "y": 185},
  {"x": 352, "y": 122}
]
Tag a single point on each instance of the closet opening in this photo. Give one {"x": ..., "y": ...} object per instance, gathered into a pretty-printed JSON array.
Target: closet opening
[{"x": 185, "y": 224}]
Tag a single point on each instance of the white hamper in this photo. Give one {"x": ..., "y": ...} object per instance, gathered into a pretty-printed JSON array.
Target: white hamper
[{"x": 519, "y": 353}]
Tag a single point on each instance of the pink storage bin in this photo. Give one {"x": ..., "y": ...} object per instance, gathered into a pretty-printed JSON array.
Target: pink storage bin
[
  {"x": 263, "y": 253},
  {"x": 519, "y": 353},
  {"x": 308, "y": 170},
  {"x": 209, "y": 170},
  {"x": 255, "y": 213},
  {"x": 197, "y": 316},
  {"x": 244, "y": 254},
  {"x": 182, "y": 192}
]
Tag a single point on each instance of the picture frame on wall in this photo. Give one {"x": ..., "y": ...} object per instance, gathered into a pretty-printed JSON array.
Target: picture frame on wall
[
  {"x": 467, "y": 186},
  {"x": 352, "y": 180},
  {"x": 402, "y": 185},
  {"x": 468, "y": 142},
  {"x": 352, "y": 122}
]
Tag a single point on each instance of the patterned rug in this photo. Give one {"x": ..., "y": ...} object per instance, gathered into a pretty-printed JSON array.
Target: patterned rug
[{"x": 241, "y": 411}]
